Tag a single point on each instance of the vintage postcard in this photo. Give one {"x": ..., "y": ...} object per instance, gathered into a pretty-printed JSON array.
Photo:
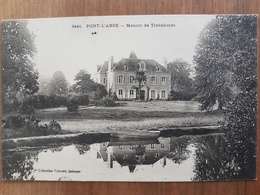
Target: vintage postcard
[{"x": 162, "y": 98}]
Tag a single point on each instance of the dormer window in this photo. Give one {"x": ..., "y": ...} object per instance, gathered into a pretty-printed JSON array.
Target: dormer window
[
  {"x": 157, "y": 69},
  {"x": 125, "y": 67},
  {"x": 142, "y": 66}
]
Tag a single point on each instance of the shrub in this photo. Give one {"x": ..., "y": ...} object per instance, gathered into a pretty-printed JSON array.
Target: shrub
[
  {"x": 26, "y": 108},
  {"x": 73, "y": 104},
  {"x": 19, "y": 121},
  {"x": 114, "y": 96},
  {"x": 107, "y": 102},
  {"x": 54, "y": 126},
  {"x": 241, "y": 133},
  {"x": 9, "y": 107},
  {"x": 54, "y": 101},
  {"x": 182, "y": 95},
  {"x": 83, "y": 99},
  {"x": 44, "y": 101}
]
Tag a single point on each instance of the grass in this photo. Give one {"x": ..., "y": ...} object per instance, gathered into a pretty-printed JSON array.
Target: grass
[
  {"x": 132, "y": 115},
  {"x": 8, "y": 133}
]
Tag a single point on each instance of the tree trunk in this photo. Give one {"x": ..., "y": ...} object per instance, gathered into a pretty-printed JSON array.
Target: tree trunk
[
  {"x": 148, "y": 90},
  {"x": 219, "y": 100},
  {"x": 139, "y": 91}
]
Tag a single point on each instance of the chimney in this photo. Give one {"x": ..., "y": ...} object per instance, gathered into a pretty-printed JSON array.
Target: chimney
[
  {"x": 110, "y": 63},
  {"x": 165, "y": 62}
]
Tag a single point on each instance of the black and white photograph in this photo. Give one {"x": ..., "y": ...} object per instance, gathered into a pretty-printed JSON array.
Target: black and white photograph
[{"x": 151, "y": 98}]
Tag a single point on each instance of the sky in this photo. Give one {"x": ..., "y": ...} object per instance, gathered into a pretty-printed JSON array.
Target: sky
[{"x": 72, "y": 44}]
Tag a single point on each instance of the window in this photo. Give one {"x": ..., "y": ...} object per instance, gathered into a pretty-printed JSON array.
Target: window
[
  {"x": 142, "y": 66},
  {"x": 163, "y": 94},
  {"x": 153, "y": 80},
  {"x": 131, "y": 93},
  {"x": 125, "y": 67},
  {"x": 157, "y": 69},
  {"x": 163, "y": 80},
  {"x": 131, "y": 79},
  {"x": 120, "y": 79},
  {"x": 104, "y": 80},
  {"x": 120, "y": 92},
  {"x": 152, "y": 146},
  {"x": 153, "y": 94}
]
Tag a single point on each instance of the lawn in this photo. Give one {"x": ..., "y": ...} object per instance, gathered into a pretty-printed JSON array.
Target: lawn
[{"x": 132, "y": 115}]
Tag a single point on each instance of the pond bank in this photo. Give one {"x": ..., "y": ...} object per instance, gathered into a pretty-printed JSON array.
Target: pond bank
[
  {"x": 54, "y": 139},
  {"x": 180, "y": 131},
  {"x": 91, "y": 137}
]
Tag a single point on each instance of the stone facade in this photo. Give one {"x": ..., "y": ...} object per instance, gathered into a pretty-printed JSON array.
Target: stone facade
[{"x": 120, "y": 78}]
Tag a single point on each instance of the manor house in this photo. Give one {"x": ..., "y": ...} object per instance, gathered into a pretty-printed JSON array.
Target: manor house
[{"x": 119, "y": 77}]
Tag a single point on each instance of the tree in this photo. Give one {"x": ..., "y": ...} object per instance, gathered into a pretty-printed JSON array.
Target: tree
[
  {"x": 58, "y": 84},
  {"x": 181, "y": 81},
  {"x": 18, "y": 49},
  {"x": 226, "y": 49},
  {"x": 140, "y": 78},
  {"x": 227, "y": 70},
  {"x": 100, "y": 91},
  {"x": 84, "y": 83},
  {"x": 241, "y": 115}
]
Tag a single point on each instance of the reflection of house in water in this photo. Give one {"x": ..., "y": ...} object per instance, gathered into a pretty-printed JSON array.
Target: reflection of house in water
[
  {"x": 102, "y": 151},
  {"x": 135, "y": 152}
]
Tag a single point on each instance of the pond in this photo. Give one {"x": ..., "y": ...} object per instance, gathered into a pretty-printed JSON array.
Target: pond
[{"x": 185, "y": 158}]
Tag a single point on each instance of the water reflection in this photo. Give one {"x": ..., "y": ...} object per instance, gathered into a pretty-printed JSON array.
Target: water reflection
[
  {"x": 19, "y": 166},
  {"x": 183, "y": 158},
  {"x": 133, "y": 152},
  {"x": 221, "y": 158}
]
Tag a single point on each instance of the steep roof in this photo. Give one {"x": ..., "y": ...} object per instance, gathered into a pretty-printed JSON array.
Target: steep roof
[
  {"x": 104, "y": 68},
  {"x": 132, "y": 64},
  {"x": 99, "y": 67}
]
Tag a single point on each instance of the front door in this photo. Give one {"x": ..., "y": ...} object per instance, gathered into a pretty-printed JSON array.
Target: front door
[{"x": 142, "y": 95}]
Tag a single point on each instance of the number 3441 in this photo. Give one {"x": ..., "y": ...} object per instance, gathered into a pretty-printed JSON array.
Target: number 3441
[{"x": 76, "y": 26}]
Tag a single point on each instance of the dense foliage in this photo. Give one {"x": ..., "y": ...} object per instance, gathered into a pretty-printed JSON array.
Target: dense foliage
[
  {"x": 227, "y": 71},
  {"x": 73, "y": 104},
  {"x": 27, "y": 126},
  {"x": 225, "y": 53},
  {"x": 241, "y": 133},
  {"x": 85, "y": 85},
  {"x": 44, "y": 101},
  {"x": 18, "y": 73},
  {"x": 108, "y": 101},
  {"x": 26, "y": 108},
  {"x": 181, "y": 81}
]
